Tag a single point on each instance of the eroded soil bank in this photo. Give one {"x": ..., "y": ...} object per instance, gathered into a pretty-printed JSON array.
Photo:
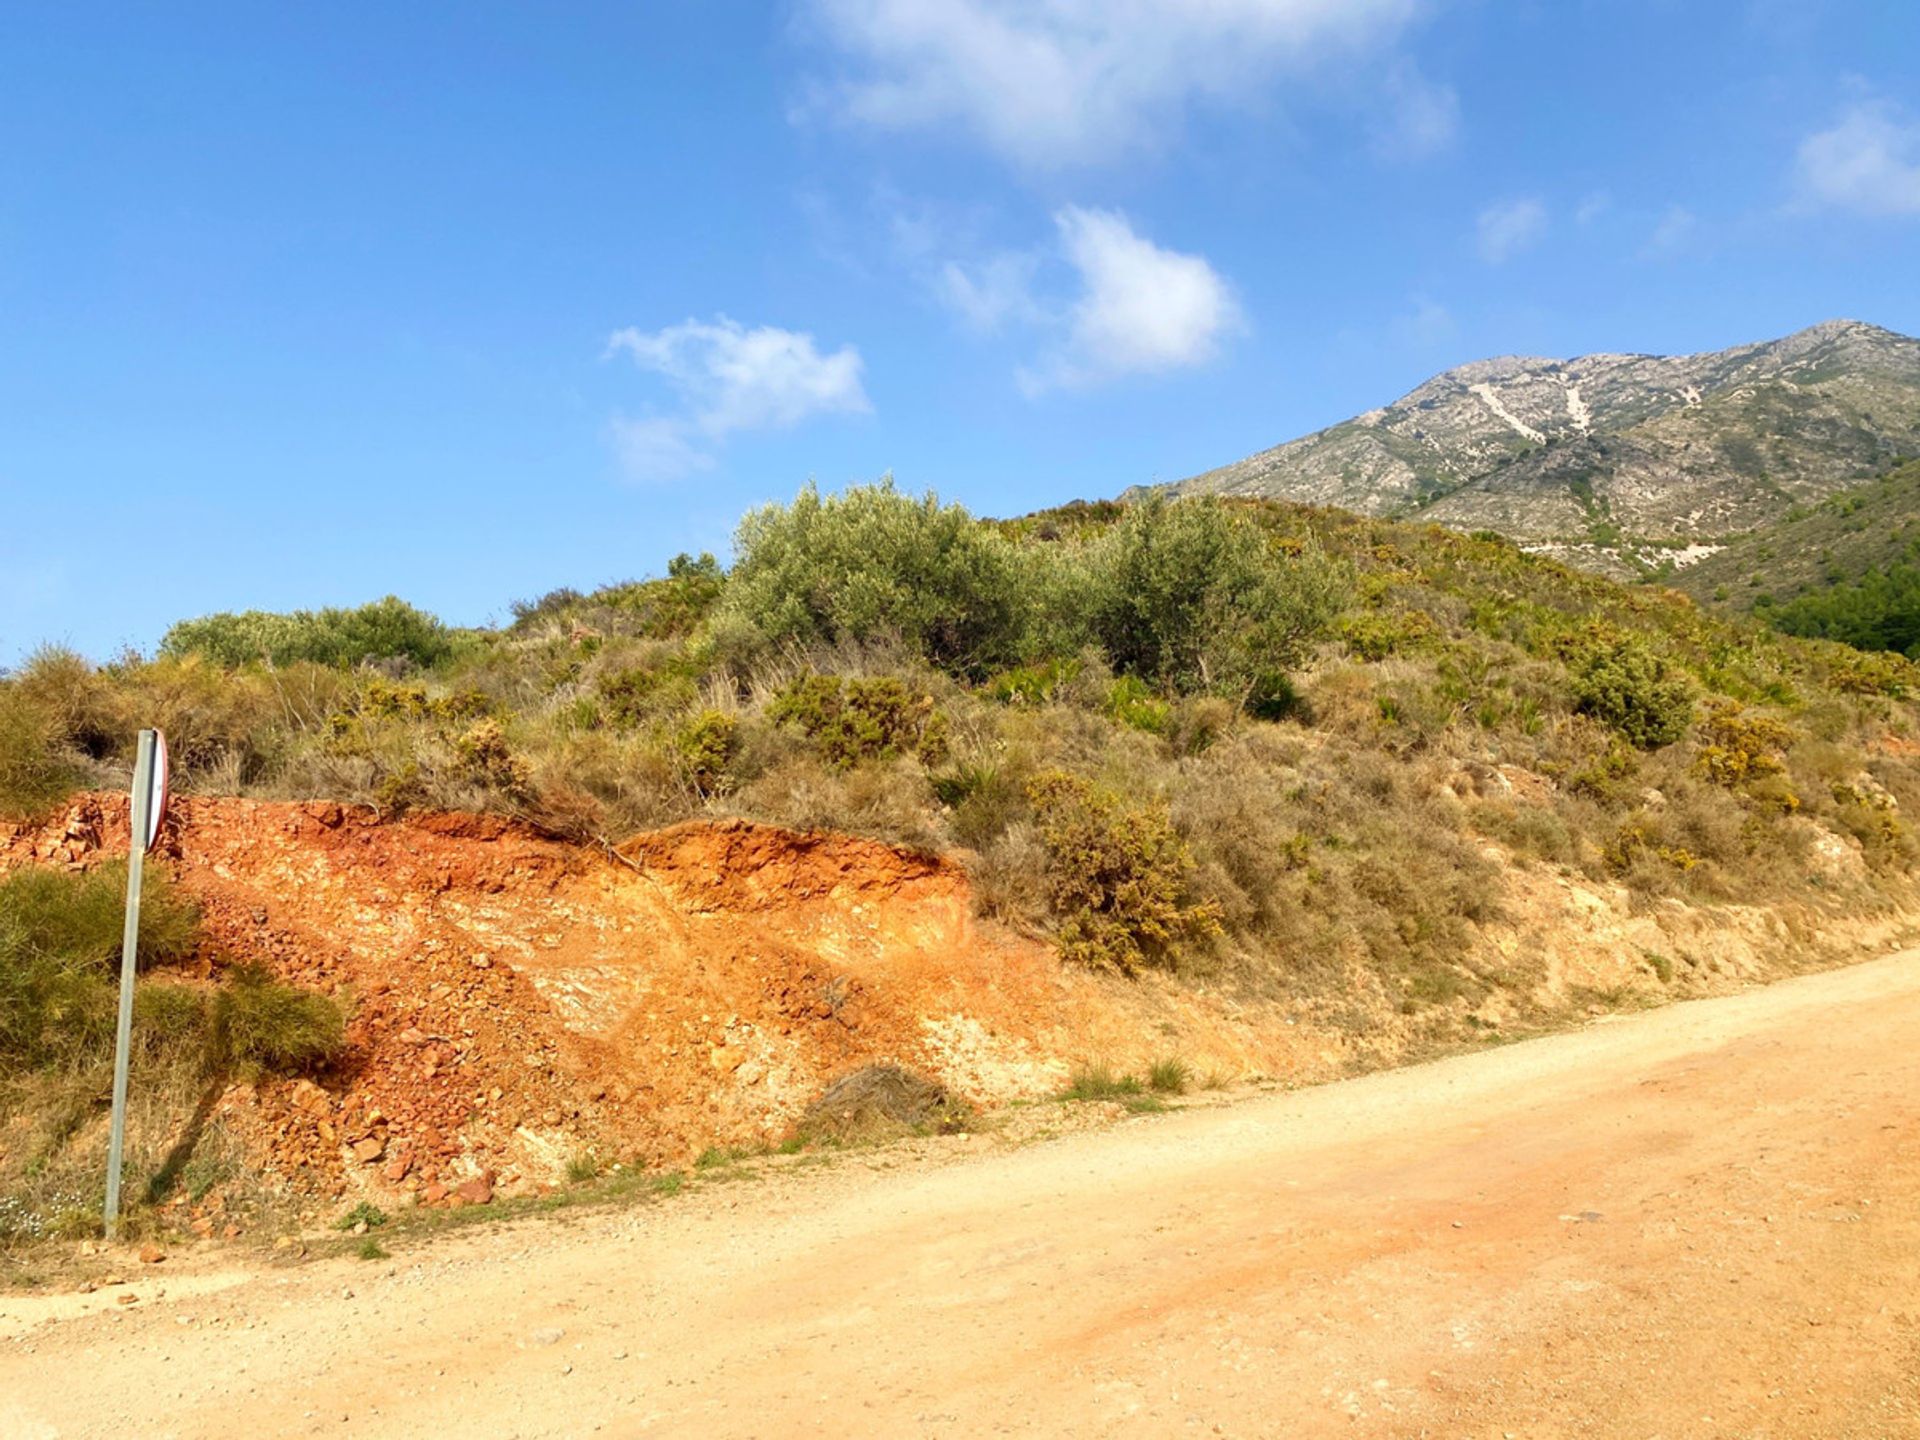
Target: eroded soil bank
[{"x": 518, "y": 1001}]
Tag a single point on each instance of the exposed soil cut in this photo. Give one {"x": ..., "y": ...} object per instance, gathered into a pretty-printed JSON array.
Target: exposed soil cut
[{"x": 517, "y": 1000}]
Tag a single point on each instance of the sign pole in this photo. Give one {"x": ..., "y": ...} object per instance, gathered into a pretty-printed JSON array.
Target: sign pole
[{"x": 140, "y": 835}]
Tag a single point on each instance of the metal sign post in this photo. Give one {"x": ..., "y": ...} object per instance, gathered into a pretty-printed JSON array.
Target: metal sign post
[{"x": 149, "y": 806}]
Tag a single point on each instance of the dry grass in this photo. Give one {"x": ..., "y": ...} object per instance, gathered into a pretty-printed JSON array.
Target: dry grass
[{"x": 878, "y": 1103}]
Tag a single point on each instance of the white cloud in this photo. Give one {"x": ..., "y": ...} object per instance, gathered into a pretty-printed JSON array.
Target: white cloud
[
  {"x": 1868, "y": 162},
  {"x": 1506, "y": 229},
  {"x": 1139, "y": 310},
  {"x": 1059, "y": 82},
  {"x": 1102, "y": 300},
  {"x": 1418, "y": 118},
  {"x": 728, "y": 378},
  {"x": 1592, "y": 206}
]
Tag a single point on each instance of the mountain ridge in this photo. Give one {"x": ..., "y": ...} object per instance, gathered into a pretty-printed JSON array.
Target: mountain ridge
[{"x": 1616, "y": 461}]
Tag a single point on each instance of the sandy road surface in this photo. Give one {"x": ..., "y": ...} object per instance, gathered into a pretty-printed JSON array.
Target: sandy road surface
[{"x": 1699, "y": 1221}]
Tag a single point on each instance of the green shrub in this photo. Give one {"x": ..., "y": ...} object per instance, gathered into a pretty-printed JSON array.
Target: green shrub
[
  {"x": 1038, "y": 684},
  {"x": 60, "y": 937},
  {"x": 264, "y": 1025},
  {"x": 48, "y": 1008},
  {"x": 378, "y": 699},
  {"x": 1193, "y": 596},
  {"x": 77, "y": 698},
  {"x": 1272, "y": 696},
  {"x": 1133, "y": 705},
  {"x": 486, "y": 758},
  {"x": 388, "y": 629},
  {"x": 1738, "y": 746},
  {"x": 873, "y": 563},
  {"x": 76, "y": 917},
  {"x": 235, "y": 725},
  {"x": 1869, "y": 673},
  {"x": 1376, "y": 634},
  {"x": 1879, "y": 611},
  {"x": 1171, "y": 1076},
  {"x": 1621, "y": 682},
  {"x": 169, "y": 1019},
  {"x": 853, "y": 720},
  {"x": 1868, "y": 814},
  {"x": 985, "y": 799},
  {"x": 1117, "y": 877},
  {"x": 662, "y": 609},
  {"x": 1099, "y": 1082},
  {"x": 1639, "y": 839},
  {"x": 707, "y": 744},
  {"x": 644, "y": 693},
  {"x": 365, "y": 1213}
]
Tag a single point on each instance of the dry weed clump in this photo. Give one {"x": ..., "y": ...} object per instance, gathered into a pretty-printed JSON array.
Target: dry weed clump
[
  {"x": 38, "y": 768},
  {"x": 877, "y": 1103}
]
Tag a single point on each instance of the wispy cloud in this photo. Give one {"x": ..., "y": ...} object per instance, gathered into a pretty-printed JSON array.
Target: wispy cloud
[
  {"x": 1672, "y": 233},
  {"x": 993, "y": 293},
  {"x": 1867, "y": 162},
  {"x": 1087, "y": 81},
  {"x": 728, "y": 378},
  {"x": 1504, "y": 230},
  {"x": 1417, "y": 118},
  {"x": 1426, "y": 325}
]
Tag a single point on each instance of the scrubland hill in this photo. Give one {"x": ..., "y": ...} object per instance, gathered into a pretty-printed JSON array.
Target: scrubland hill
[
  {"x": 1847, "y": 568},
  {"x": 1251, "y": 786}
]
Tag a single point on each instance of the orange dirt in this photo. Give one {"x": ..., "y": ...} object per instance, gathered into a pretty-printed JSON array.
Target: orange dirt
[
  {"x": 1702, "y": 1221},
  {"x": 517, "y": 999}
]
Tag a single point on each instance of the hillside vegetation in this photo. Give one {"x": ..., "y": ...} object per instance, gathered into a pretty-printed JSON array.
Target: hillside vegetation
[
  {"x": 1847, "y": 568},
  {"x": 1227, "y": 736},
  {"x": 60, "y": 934}
]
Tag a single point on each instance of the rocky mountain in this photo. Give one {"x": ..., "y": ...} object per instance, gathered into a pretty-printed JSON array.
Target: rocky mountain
[{"x": 1624, "y": 463}]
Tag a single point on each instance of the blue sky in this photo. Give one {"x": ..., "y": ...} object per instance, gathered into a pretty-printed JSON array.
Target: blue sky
[{"x": 305, "y": 304}]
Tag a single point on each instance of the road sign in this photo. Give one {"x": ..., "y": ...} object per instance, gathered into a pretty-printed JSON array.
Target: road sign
[
  {"x": 156, "y": 789},
  {"x": 149, "y": 808}
]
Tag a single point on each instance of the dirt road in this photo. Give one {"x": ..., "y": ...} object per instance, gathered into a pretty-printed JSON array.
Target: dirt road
[{"x": 1698, "y": 1221}]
